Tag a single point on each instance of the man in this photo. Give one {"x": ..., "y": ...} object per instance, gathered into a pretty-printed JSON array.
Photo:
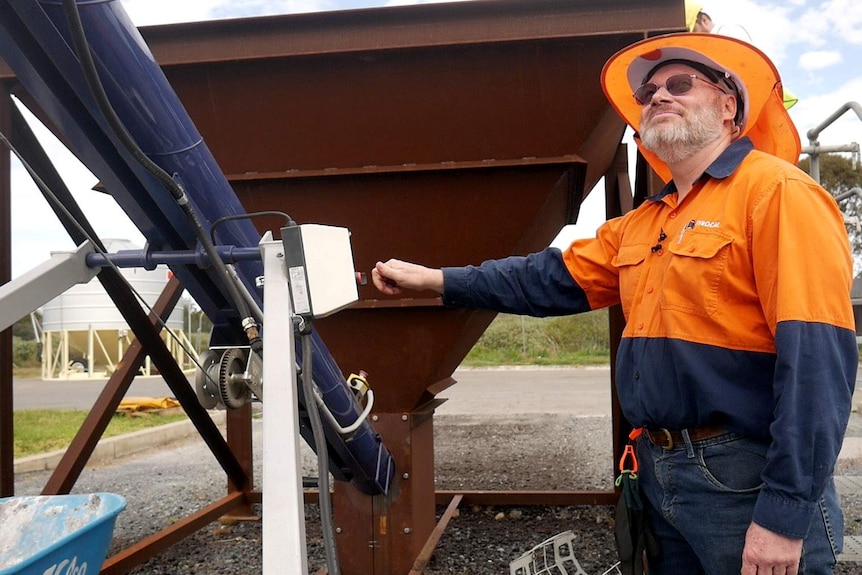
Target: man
[
  {"x": 739, "y": 353},
  {"x": 696, "y": 20}
]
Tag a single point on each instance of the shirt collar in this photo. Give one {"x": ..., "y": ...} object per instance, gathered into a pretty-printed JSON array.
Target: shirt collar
[{"x": 723, "y": 166}]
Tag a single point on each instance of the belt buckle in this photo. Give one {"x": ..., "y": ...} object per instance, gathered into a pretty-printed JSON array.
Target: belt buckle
[{"x": 669, "y": 437}]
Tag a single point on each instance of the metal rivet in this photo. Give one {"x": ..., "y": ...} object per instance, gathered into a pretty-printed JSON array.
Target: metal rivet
[
  {"x": 374, "y": 418},
  {"x": 407, "y": 531},
  {"x": 406, "y": 476},
  {"x": 404, "y": 417},
  {"x": 338, "y": 530}
]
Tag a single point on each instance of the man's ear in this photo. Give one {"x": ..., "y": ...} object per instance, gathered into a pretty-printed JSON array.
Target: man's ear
[{"x": 728, "y": 110}]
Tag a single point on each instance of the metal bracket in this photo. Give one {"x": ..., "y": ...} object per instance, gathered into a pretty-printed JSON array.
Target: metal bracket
[{"x": 43, "y": 283}]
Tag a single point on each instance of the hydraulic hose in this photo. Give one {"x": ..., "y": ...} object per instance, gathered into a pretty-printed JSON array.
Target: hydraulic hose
[{"x": 322, "y": 458}]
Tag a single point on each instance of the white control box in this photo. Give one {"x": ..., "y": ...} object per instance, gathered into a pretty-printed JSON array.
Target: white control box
[{"x": 320, "y": 272}]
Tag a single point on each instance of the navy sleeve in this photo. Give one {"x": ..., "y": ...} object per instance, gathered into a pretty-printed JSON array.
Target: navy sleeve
[
  {"x": 814, "y": 380},
  {"x": 538, "y": 285}
]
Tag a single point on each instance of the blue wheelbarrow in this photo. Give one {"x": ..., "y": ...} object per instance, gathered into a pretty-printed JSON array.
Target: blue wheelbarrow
[{"x": 57, "y": 534}]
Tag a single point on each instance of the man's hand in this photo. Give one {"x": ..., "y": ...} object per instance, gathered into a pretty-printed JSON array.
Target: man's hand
[
  {"x": 768, "y": 553},
  {"x": 394, "y": 276}
]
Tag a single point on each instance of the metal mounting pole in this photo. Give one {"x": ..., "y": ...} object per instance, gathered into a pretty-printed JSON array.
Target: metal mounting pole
[{"x": 284, "y": 516}]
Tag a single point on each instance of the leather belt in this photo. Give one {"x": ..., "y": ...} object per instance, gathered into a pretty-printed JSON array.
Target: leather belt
[{"x": 668, "y": 439}]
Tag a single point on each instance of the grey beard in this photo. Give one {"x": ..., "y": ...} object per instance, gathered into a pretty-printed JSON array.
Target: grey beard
[{"x": 674, "y": 143}]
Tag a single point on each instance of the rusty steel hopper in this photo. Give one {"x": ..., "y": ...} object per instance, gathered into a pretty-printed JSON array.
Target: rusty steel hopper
[{"x": 444, "y": 134}]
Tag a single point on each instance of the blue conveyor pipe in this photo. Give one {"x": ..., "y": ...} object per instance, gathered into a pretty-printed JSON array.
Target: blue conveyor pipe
[{"x": 36, "y": 43}]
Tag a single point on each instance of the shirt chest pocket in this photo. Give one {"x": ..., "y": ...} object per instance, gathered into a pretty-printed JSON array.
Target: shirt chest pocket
[
  {"x": 629, "y": 261},
  {"x": 694, "y": 271}
]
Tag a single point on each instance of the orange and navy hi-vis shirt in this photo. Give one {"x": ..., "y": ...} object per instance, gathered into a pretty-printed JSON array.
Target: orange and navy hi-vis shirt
[{"x": 738, "y": 314}]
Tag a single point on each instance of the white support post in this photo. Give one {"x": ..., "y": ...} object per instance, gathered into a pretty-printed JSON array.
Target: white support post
[
  {"x": 64, "y": 366},
  {"x": 91, "y": 351},
  {"x": 284, "y": 544}
]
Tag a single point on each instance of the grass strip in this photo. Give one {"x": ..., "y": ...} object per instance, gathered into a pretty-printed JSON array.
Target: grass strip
[{"x": 43, "y": 430}]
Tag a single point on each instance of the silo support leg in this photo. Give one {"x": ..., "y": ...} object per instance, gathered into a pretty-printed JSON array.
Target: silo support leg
[{"x": 382, "y": 535}]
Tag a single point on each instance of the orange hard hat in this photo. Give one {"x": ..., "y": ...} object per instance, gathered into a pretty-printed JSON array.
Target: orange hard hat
[{"x": 764, "y": 118}]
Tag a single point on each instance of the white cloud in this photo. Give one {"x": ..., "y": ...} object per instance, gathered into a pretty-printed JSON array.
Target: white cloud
[
  {"x": 845, "y": 18},
  {"x": 413, "y": 2},
  {"x": 819, "y": 59},
  {"x": 36, "y": 230},
  {"x": 242, "y": 8},
  {"x": 149, "y": 12},
  {"x": 152, "y": 12},
  {"x": 767, "y": 24}
]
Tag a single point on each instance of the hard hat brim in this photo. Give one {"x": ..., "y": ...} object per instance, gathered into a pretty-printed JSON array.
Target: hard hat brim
[{"x": 765, "y": 119}]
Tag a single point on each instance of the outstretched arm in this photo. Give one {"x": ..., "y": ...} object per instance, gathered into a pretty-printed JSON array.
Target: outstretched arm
[
  {"x": 538, "y": 284},
  {"x": 394, "y": 276}
]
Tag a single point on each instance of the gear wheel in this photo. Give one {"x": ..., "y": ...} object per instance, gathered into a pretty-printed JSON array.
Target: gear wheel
[
  {"x": 206, "y": 387},
  {"x": 233, "y": 391}
]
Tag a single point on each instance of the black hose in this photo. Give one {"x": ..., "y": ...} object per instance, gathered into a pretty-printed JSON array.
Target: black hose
[
  {"x": 91, "y": 75},
  {"x": 288, "y": 221},
  {"x": 322, "y": 458}
]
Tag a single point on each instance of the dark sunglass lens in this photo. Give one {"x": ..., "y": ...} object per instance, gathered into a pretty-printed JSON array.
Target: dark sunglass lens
[
  {"x": 681, "y": 84},
  {"x": 645, "y": 93}
]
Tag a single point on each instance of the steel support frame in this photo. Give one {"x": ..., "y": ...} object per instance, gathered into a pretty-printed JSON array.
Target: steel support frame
[
  {"x": 7, "y": 457},
  {"x": 385, "y": 534},
  {"x": 618, "y": 201},
  {"x": 72, "y": 463},
  {"x": 79, "y": 229},
  {"x": 149, "y": 342}
]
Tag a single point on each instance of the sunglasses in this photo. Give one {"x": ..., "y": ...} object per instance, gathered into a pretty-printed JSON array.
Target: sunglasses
[{"x": 677, "y": 85}]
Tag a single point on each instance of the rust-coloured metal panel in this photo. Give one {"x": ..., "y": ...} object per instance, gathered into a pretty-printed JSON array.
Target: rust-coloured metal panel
[
  {"x": 394, "y": 108},
  {"x": 452, "y": 216},
  {"x": 477, "y": 147}
]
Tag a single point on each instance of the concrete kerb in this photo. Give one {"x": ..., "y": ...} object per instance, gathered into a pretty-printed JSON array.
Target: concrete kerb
[{"x": 121, "y": 445}]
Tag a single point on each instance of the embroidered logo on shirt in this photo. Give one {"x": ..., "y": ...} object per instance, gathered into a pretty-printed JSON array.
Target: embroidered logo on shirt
[{"x": 707, "y": 224}]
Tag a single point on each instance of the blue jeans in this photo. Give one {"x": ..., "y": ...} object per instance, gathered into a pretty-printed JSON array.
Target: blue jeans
[{"x": 700, "y": 497}]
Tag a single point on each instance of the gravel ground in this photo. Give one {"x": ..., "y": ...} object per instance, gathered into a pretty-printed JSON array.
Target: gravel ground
[{"x": 487, "y": 452}]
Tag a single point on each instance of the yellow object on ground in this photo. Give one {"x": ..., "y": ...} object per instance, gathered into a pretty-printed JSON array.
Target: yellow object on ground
[{"x": 134, "y": 404}]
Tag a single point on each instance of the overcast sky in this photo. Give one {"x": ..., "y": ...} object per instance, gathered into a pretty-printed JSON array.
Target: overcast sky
[{"x": 816, "y": 45}]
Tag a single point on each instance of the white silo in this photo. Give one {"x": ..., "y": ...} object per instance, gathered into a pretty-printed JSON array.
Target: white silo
[{"x": 84, "y": 335}]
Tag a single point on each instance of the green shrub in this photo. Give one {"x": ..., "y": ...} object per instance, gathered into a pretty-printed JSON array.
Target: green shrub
[
  {"x": 25, "y": 352},
  {"x": 585, "y": 331},
  {"x": 570, "y": 340}
]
